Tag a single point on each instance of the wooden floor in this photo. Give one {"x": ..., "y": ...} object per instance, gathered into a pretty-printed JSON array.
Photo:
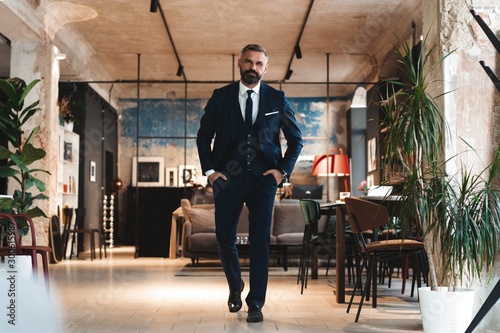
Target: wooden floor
[{"x": 123, "y": 294}]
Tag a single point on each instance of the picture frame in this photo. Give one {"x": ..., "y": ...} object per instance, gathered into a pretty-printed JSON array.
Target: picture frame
[
  {"x": 148, "y": 171},
  {"x": 187, "y": 174},
  {"x": 92, "y": 171},
  {"x": 171, "y": 177},
  {"x": 372, "y": 154},
  {"x": 68, "y": 151}
]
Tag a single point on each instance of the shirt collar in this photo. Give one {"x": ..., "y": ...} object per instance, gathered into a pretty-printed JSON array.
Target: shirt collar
[{"x": 243, "y": 89}]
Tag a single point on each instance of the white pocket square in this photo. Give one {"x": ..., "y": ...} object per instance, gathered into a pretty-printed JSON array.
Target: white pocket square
[{"x": 270, "y": 113}]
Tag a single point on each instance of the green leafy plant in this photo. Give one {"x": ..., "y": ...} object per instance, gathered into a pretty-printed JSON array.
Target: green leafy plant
[
  {"x": 72, "y": 111},
  {"x": 458, "y": 215},
  {"x": 13, "y": 116}
]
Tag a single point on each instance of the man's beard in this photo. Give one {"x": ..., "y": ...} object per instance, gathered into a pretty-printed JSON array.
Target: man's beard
[{"x": 250, "y": 79}]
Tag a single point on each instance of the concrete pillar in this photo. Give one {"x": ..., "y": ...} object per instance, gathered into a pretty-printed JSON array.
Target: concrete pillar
[
  {"x": 357, "y": 140},
  {"x": 472, "y": 104},
  {"x": 31, "y": 61}
]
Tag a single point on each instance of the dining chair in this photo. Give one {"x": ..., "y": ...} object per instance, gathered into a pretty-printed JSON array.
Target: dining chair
[
  {"x": 313, "y": 239},
  {"x": 71, "y": 231},
  {"x": 367, "y": 217},
  {"x": 55, "y": 240},
  {"x": 32, "y": 249}
]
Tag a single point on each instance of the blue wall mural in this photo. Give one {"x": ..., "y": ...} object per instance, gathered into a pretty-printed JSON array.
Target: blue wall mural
[
  {"x": 168, "y": 128},
  {"x": 166, "y": 118}
]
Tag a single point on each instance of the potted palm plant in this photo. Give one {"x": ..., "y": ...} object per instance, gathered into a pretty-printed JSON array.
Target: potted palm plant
[
  {"x": 457, "y": 215},
  {"x": 22, "y": 154}
]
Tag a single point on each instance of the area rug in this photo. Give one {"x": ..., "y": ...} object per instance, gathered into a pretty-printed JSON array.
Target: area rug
[{"x": 217, "y": 271}]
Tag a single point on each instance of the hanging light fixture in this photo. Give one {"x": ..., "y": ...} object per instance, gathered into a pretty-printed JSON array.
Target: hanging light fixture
[
  {"x": 180, "y": 70},
  {"x": 154, "y": 6},
  {"x": 298, "y": 52}
]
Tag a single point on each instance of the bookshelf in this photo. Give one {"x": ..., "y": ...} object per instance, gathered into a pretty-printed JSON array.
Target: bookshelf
[{"x": 67, "y": 171}]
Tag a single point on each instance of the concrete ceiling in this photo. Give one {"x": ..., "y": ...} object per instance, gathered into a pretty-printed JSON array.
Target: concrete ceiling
[{"x": 103, "y": 41}]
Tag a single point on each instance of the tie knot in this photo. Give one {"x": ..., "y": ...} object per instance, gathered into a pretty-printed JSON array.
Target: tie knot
[{"x": 249, "y": 92}]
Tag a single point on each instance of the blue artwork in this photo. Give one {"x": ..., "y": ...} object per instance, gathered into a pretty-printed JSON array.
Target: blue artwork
[{"x": 177, "y": 119}]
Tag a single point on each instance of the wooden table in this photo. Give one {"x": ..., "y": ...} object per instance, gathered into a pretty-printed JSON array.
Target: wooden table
[
  {"x": 338, "y": 209},
  {"x": 175, "y": 233}
]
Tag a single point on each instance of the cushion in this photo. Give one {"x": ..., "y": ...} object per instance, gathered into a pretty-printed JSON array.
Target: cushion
[
  {"x": 288, "y": 219},
  {"x": 290, "y": 238},
  {"x": 202, "y": 220},
  {"x": 202, "y": 242}
]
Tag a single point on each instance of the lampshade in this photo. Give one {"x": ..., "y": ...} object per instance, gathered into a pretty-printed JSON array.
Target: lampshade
[
  {"x": 331, "y": 164},
  {"x": 341, "y": 165}
]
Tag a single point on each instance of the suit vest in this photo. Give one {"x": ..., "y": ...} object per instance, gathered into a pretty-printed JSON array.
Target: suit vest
[{"x": 246, "y": 151}]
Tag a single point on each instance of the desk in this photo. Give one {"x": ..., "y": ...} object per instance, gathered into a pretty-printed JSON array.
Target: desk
[{"x": 149, "y": 213}]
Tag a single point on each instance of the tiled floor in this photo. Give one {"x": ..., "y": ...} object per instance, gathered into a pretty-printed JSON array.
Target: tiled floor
[{"x": 124, "y": 294}]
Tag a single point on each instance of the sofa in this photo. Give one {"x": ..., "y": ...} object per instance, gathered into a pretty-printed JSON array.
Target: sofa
[{"x": 198, "y": 230}]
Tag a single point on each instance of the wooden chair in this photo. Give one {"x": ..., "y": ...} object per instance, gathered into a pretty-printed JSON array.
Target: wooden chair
[
  {"x": 365, "y": 217},
  {"x": 71, "y": 232},
  {"x": 30, "y": 250},
  {"x": 55, "y": 240}
]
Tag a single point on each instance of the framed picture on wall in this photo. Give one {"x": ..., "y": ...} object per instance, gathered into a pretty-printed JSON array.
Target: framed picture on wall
[
  {"x": 171, "y": 178},
  {"x": 187, "y": 175},
  {"x": 68, "y": 151},
  {"x": 148, "y": 171},
  {"x": 372, "y": 154}
]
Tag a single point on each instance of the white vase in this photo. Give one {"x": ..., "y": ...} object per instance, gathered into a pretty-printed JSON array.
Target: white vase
[{"x": 446, "y": 311}]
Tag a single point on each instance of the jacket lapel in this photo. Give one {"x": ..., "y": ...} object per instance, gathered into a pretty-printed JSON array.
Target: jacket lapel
[
  {"x": 262, "y": 105},
  {"x": 234, "y": 108}
]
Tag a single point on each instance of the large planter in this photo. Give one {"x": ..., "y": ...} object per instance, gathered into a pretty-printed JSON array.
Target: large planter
[{"x": 446, "y": 311}]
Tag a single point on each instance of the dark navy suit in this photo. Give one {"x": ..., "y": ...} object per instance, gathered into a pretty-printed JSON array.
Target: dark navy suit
[{"x": 243, "y": 154}]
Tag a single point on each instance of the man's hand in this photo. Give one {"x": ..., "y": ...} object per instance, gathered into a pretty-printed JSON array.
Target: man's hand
[
  {"x": 276, "y": 174},
  {"x": 213, "y": 177}
]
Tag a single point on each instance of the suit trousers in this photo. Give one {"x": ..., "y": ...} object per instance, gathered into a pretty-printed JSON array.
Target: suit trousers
[{"x": 258, "y": 192}]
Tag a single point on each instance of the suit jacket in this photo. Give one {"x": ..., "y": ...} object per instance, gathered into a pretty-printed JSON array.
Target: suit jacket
[{"x": 220, "y": 119}]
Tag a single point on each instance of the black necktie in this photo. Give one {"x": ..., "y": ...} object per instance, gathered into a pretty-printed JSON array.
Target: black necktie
[{"x": 248, "y": 109}]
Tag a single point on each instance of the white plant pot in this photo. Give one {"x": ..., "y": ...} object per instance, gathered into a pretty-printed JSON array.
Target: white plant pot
[{"x": 446, "y": 311}]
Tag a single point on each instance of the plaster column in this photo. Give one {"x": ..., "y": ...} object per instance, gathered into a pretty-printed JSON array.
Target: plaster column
[
  {"x": 471, "y": 104},
  {"x": 31, "y": 61}
]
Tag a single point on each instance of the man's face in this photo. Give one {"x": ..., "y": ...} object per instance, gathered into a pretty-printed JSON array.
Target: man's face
[{"x": 253, "y": 66}]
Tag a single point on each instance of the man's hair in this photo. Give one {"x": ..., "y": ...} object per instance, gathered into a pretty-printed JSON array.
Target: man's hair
[{"x": 254, "y": 47}]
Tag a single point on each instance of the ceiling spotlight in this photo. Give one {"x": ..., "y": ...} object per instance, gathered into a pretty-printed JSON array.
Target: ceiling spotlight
[
  {"x": 180, "y": 70},
  {"x": 288, "y": 74},
  {"x": 154, "y": 6},
  {"x": 298, "y": 52}
]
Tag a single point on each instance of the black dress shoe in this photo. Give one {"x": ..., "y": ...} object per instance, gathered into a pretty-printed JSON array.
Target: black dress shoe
[
  {"x": 254, "y": 314},
  {"x": 234, "y": 301}
]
